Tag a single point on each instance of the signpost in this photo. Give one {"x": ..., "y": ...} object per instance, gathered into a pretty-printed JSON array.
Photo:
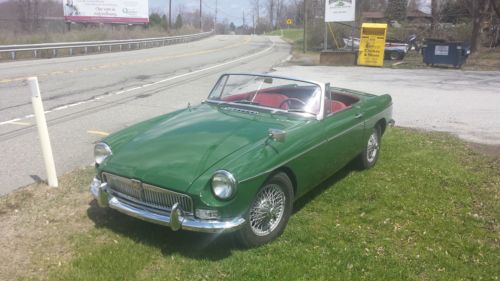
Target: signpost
[
  {"x": 288, "y": 23},
  {"x": 372, "y": 44},
  {"x": 43, "y": 132},
  {"x": 106, "y": 11},
  {"x": 338, "y": 11}
]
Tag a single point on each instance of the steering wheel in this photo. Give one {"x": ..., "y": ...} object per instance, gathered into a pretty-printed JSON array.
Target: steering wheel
[{"x": 288, "y": 100}]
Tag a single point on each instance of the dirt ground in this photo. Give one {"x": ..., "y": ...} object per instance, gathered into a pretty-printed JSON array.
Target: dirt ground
[
  {"x": 489, "y": 150},
  {"x": 37, "y": 222}
]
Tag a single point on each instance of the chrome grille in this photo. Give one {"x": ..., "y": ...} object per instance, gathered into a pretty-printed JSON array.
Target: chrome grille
[{"x": 147, "y": 195}]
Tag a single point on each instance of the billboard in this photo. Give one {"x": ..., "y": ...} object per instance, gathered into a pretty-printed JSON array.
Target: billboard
[
  {"x": 106, "y": 11},
  {"x": 339, "y": 10}
]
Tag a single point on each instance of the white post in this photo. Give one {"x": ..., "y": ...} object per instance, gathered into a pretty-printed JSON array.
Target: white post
[{"x": 43, "y": 132}]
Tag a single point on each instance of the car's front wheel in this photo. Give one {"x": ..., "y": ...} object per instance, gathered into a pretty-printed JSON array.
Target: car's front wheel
[{"x": 268, "y": 215}]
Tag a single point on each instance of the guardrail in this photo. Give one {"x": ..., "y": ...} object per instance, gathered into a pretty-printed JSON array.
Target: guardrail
[{"x": 98, "y": 45}]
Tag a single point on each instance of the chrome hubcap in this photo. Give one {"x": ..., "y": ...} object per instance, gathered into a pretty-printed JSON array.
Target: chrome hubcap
[
  {"x": 267, "y": 211},
  {"x": 372, "y": 148}
]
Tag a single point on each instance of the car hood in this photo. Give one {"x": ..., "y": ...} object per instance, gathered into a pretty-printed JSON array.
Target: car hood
[{"x": 173, "y": 152}]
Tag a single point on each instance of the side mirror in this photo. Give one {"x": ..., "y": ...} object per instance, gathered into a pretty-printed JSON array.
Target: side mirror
[{"x": 277, "y": 135}]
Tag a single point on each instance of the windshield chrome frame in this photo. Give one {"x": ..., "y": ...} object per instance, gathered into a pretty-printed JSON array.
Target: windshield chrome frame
[{"x": 322, "y": 87}]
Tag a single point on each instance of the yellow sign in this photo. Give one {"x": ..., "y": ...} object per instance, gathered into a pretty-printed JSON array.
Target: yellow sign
[
  {"x": 289, "y": 21},
  {"x": 372, "y": 44}
]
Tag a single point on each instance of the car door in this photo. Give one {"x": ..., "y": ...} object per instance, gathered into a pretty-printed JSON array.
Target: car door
[{"x": 343, "y": 131}]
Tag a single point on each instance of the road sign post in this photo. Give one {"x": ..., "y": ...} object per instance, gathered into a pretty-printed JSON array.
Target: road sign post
[{"x": 43, "y": 132}]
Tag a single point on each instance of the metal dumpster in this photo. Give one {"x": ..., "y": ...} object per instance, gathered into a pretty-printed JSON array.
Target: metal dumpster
[{"x": 442, "y": 52}]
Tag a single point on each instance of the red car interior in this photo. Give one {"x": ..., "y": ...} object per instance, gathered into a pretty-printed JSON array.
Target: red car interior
[
  {"x": 337, "y": 106},
  {"x": 269, "y": 99}
]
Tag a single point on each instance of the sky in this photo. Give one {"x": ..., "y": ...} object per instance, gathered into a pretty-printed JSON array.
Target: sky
[{"x": 231, "y": 10}]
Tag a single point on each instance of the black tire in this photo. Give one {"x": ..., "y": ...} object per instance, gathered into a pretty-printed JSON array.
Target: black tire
[
  {"x": 395, "y": 55},
  {"x": 368, "y": 158},
  {"x": 249, "y": 235}
]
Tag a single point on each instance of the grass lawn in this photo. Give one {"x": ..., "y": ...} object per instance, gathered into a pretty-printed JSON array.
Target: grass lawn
[
  {"x": 427, "y": 211},
  {"x": 294, "y": 36}
]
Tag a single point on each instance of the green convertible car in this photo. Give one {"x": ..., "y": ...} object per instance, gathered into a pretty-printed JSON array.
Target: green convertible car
[{"x": 239, "y": 160}]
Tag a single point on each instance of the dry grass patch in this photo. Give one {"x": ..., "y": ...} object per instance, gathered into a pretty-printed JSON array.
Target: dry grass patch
[{"x": 36, "y": 222}]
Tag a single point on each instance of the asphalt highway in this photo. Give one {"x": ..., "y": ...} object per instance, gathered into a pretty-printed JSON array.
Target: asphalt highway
[{"x": 88, "y": 97}]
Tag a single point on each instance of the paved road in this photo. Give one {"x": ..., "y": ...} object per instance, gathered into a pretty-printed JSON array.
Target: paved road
[
  {"x": 91, "y": 95},
  {"x": 465, "y": 103}
]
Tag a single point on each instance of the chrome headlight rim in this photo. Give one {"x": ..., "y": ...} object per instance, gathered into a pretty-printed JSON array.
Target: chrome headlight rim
[
  {"x": 99, "y": 148},
  {"x": 219, "y": 191}
]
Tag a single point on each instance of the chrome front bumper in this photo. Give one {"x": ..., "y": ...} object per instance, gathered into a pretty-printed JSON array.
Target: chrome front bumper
[{"x": 175, "y": 220}]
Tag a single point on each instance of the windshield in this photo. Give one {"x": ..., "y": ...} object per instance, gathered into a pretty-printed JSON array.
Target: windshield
[{"x": 268, "y": 92}]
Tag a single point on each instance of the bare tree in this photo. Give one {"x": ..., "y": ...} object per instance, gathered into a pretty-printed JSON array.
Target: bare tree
[
  {"x": 434, "y": 13},
  {"x": 279, "y": 9},
  {"x": 256, "y": 10},
  {"x": 396, "y": 10},
  {"x": 29, "y": 14},
  {"x": 495, "y": 7},
  {"x": 479, "y": 9},
  {"x": 297, "y": 8},
  {"x": 270, "y": 11}
]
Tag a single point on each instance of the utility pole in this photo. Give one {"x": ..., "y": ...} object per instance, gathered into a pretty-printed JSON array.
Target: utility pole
[
  {"x": 201, "y": 19},
  {"x": 434, "y": 15},
  {"x": 305, "y": 26},
  {"x": 169, "y": 14},
  {"x": 215, "y": 18},
  {"x": 253, "y": 22},
  {"x": 243, "y": 18},
  {"x": 325, "y": 43}
]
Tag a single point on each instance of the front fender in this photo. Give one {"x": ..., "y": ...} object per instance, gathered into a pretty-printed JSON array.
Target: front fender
[{"x": 251, "y": 167}]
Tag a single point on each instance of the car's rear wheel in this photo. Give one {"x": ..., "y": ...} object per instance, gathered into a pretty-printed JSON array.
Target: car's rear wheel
[
  {"x": 394, "y": 55},
  {"x": 268, "y": 215},
  {"x": 369, "y": 156}
]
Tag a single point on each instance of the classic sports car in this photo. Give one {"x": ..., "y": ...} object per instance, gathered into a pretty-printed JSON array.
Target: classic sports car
[{"x": 239, "y": 160}]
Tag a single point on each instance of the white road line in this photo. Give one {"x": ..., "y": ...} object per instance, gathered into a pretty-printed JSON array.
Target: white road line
[
  {"x": 142, "y": 86},
  {"x": 20, "y": 123},
  {"x": 100, "y": 133}
]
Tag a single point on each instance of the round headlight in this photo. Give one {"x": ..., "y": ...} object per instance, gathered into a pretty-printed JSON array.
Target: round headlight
[
  {"x": 101, "y": 152},
  {"x": 223, "y": 184}
]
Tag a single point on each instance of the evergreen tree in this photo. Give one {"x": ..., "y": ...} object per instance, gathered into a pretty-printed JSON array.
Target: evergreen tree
[
  {"x": 154, "y": 19},
  {"x": 178, "y": 21}
]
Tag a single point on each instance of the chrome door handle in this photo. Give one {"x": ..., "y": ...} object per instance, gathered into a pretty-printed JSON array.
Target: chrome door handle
[{"x": 359, "y": 115}]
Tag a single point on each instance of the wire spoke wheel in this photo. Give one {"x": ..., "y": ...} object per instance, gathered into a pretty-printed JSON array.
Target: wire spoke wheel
[
  {"x": 372, "y": 148},
  {"x": 267, "y": 210}
]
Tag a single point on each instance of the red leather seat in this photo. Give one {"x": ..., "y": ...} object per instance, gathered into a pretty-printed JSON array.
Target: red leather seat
[
  {"x": 337, "y": 106},
  {"x": 269, "y": 100}
]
